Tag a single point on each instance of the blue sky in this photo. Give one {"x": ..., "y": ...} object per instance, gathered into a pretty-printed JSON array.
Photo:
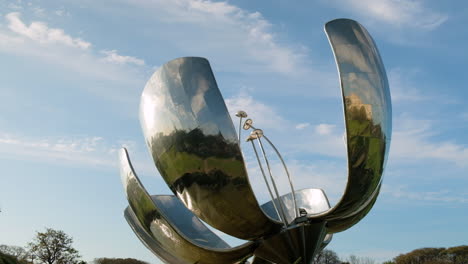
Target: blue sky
[{"x": 72, "y": 72}]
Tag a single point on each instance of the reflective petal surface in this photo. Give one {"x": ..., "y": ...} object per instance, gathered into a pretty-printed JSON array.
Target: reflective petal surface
[
  {"x": 147, "y": 239},
  {"x": 187, "y": 239},
  {"x": 368, "y": 120},
  {"x": 296, "y": 242},
  {"x": 195, "y": 148},
  {"x": 314, "y": 201}
]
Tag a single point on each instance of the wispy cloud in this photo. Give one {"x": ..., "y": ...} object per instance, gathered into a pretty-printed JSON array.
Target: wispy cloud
[
  {"x": 40, "y": 32},
  {"x": 53, "y": 45},
  {"x": 247, "y": 37},
  {"x": 88, "y": 151},
  {"x": 112, "y": 56},
  {"x": 302, "y": 126},
  {"x": 324, "y": 129},
  {"x": 441, "y": 196},
  {"x": 402, "y": 88},
  {"x": 77, "y": 150},
  {"x": 323, "y": 139},
  {"x": 414, "y": 139},
  {"x": 263, "y": 115},
  {"x": 409, "y": 13}
]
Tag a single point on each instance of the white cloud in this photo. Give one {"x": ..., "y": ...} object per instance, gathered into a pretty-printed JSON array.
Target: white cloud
[
  {"x": 55, "y": 47},
  {"x": 410, "y": 13},
  {"x": 263, "y": 115},
  {"x": 302, "y": 126},
  {"x": 324, "y": 129},
  {"x": 40, "y": 32},
  {"x": 91, "y": 151},
  {"x": 78, "y": 150},
  {"x": 113, "y": 57},
  {"x": 442, "y": 196},
  {"x": 326, "y": 175},
  {"x": 246, "y": 36},
  {"x": 412, "y": 139},
  {"x": 403, "y": 89}
]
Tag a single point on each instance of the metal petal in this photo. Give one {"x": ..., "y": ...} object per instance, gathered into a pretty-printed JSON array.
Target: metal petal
[
  {"x": 185, "y": 239},
  {"x": 258, "y": 260},
  {"x": 147, "y": 239},
  {"x": 296, "y": 244},
  {"x": 368, "y": 119},
  {"x": 314, "y": 201},
  {"x": 195, "y": 148}
]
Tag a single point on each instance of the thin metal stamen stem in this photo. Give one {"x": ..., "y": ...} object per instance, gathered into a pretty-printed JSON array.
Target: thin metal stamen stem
[
  {"x": 273, "y": 182},
  {"x": 266, "y": 181},
  {"x": 240, "y": 126},
  {"x": 296, "y": 211}
]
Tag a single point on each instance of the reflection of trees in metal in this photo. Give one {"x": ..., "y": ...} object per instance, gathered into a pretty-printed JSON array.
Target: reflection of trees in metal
[{"x": 196, "y": 150}]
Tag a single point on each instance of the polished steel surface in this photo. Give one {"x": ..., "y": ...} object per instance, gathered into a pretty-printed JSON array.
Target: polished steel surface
[
  {"x": 314, "y": 201},
  {"x": 275, "y": 205},
  {"x": 368, "y": 120},
  {"x": 293, "y": 192},
  {"x": 280, "y": 202},
  {"x": 297, "y": 242},
  {"x": 258, "y": 260},
  {"x": 195, "y": 148},
  {"x": 174, "y": 229},
  {"x": 241, "y": 114},
  {"x": 147, "y": 239}
]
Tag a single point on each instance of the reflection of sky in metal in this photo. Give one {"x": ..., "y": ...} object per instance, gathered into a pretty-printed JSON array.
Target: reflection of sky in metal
[
  {"x": 362, "y": 72},
  {"x": 183, "y": 95},
  {"x": 169, "y": 229},
  {"x": 367, "y": 110},
  {"x": 194, "y": 145},
  {"x": 314, "y": 201}
]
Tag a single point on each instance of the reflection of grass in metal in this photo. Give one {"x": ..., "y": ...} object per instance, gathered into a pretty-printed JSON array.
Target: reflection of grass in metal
[
  {"x": 366, "y": 147},
  {"x": 190, "y": 163},
  {"x": 140, "y": 202}
]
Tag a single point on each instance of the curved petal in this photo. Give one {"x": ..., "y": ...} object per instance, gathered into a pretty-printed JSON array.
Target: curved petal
[
  {"x": 314, "y": 201},
  {"x": 368, "y": 120},
  {"x": 195, "y": 148},
  {"x": 188, "y": 240},
  {"x": 147, "y": 239}
]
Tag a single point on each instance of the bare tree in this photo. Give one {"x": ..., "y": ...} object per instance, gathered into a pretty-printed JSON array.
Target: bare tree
[
  {"x": 14, "y": 251},
  {"x": 53, "y": 247},
  {"x": 118, "y": 261},
  {"x": 360, "y": 260},
  {"x": 327, "y": 256}
]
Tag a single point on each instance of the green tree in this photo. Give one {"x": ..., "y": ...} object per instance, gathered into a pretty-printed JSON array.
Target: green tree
[
  {"x": 456, "y": 255},
  {"x": 53, "y": 247},
  {"x": 422, "y": 256}
]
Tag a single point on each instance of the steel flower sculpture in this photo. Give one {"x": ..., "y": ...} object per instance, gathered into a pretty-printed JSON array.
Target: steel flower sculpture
[{"x": 196, "y": 149}]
